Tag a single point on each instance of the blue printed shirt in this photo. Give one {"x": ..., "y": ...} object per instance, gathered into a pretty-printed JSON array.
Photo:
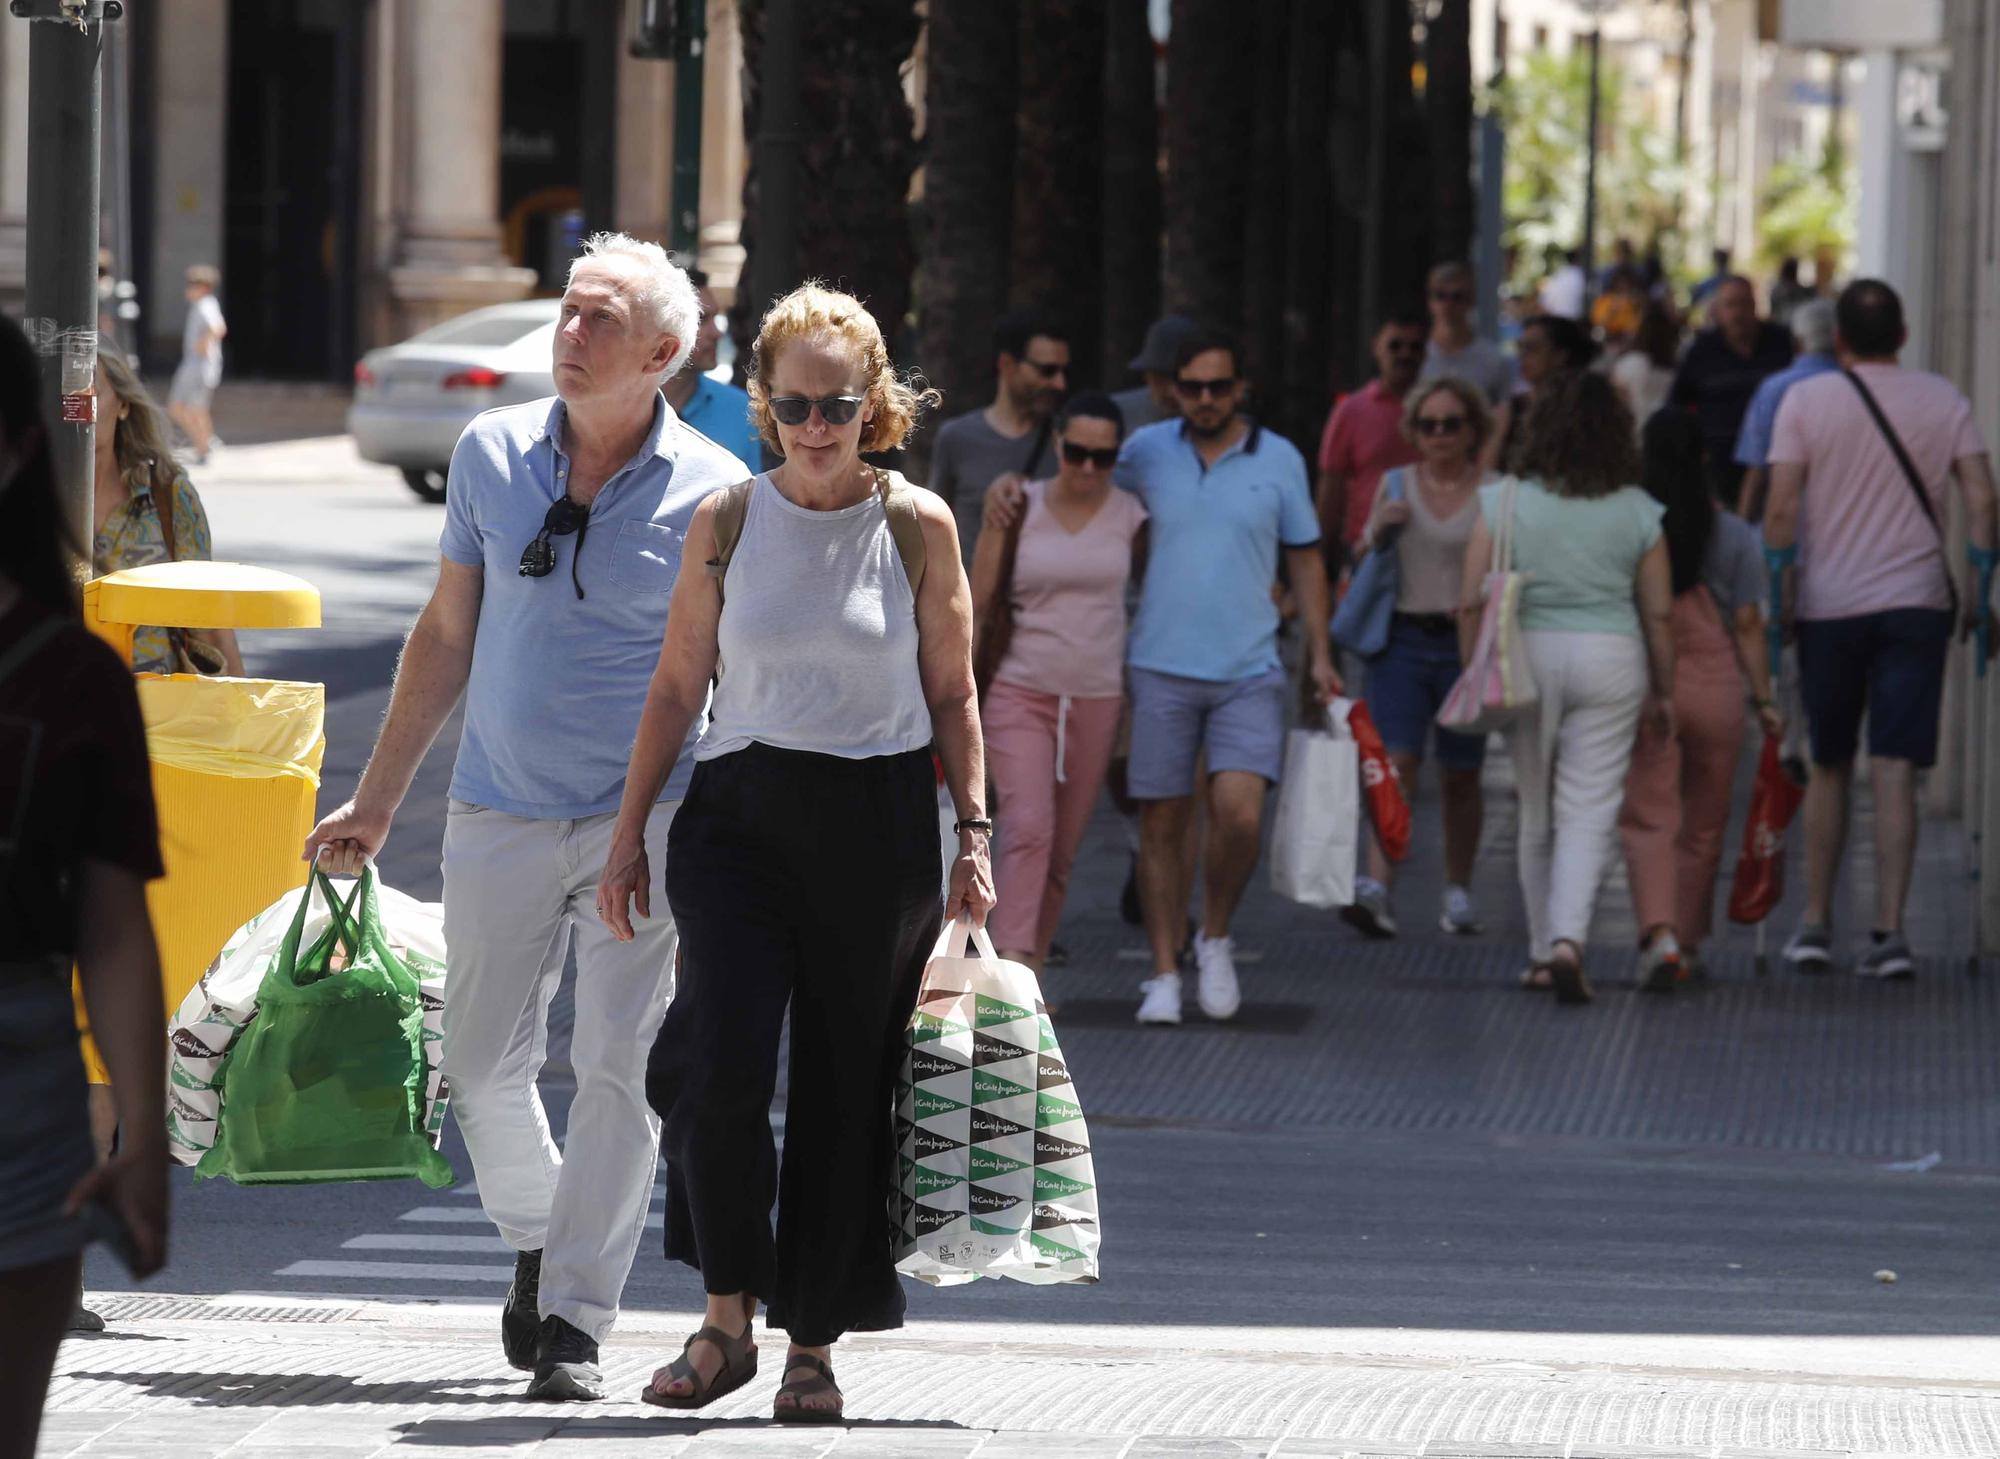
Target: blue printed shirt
[
  {"x": 1753, "y": 442},
  {"x": 1206, "y": 610},
  {"x": 558, "y": 681},
  {"x": 722, "y": 413}
]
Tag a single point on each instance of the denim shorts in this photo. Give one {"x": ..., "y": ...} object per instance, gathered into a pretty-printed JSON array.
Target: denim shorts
[
  {"x": 1407, "y": 684},
  {"x": 1889, "y": 665},
  {"x": 45, "y": 1139},
  {"x": 1240, "y": 722}
]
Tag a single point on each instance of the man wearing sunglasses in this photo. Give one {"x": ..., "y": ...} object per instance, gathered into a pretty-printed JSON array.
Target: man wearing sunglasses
[
  {"x": 1013, "y": 437},
  {"x": 563, "y": 532},
  {"x": 1454, "y": 351},
  {"x": 1364, "y": 436}
]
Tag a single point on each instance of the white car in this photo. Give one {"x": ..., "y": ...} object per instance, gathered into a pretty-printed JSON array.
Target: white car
[{"x": 412, "y": 400}]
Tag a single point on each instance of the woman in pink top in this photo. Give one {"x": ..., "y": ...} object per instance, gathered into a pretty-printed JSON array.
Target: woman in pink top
[{"x": 1052, "y": 709}]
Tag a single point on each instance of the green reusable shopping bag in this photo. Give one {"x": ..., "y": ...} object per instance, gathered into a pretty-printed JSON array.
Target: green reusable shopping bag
[{"x": 327, "y": 1082}]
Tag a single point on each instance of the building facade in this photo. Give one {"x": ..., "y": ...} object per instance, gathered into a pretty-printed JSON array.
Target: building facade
[{"x": 360, "y": 169}]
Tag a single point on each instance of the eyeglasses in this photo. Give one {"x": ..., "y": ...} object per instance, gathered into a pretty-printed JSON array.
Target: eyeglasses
[
  {"x": 1195, "y": 389},
  {"x": 1047, "y": 369},
  {"x": 1077, "y": 455},
  {"x": 1439, "y": 425},
  {"x": 796, "y": 410},
  {"x": 538, "y": 558},
  {"x": 1451, "y": 296}
]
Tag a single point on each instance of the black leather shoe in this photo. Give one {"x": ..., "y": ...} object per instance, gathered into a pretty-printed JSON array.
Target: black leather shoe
[
  {"x": 521, "y": 1318},
  {"x": 566, "y": 1368}
]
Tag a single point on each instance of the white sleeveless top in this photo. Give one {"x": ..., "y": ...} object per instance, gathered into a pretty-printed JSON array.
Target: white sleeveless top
[{"x": 818, "y": 636}]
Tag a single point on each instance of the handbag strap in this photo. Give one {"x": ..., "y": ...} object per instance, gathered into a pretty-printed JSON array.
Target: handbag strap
[
  {"x": 1910, "y": 475},
  {"x": 1503, "y": 540},
  {"x": 163, "y": 508}
]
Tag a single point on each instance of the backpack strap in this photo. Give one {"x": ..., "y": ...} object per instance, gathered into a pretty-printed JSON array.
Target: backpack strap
[
  {"x": 163, "y": 507},
  {"x": 731, "y": 506},
  {"x": 899, "y": 504}
]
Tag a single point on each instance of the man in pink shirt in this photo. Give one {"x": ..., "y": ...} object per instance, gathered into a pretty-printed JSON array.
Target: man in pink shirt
[
  {"x": 1364, "y": 437},
  {"x": 1860, "y": 462}
]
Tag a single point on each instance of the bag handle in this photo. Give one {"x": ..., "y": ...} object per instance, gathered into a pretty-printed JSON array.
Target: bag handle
[
  {"x": 342, "y": 928},
  {"x": 1910, "y": 475},
  {"x": 960, "y": 936},
  {"x": 1503, "y": 540}
]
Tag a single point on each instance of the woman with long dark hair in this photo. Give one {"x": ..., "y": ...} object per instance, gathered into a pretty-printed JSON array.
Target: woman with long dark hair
[
  {"x": 77, "y": 846},
  {"x": 1594, "y": 618},
  {"x": 1683, "y": 770}
]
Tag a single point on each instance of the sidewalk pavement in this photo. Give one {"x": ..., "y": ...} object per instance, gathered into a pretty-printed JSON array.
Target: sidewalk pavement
[{"x": 1397, "y": 1207}]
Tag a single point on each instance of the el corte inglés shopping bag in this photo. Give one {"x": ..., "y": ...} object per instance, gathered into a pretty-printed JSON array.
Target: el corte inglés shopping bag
[
  {"x": 327, "y": 1082},
  {"x": 1316, "y": 829},
  {"x": 994, "y": 1172}
]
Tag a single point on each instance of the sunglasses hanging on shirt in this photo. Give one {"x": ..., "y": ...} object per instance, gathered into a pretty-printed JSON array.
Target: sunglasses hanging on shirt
[{"x": 538, "y": 558}]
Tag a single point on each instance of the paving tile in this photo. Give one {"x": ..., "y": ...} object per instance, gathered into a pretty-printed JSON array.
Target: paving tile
[
  {"x": 1461, "y": 1449},
  {"x": 1047, "y": 1445}
]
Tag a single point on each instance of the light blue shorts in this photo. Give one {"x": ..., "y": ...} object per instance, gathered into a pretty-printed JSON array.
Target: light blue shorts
[{"x": 1240, "y": 722}]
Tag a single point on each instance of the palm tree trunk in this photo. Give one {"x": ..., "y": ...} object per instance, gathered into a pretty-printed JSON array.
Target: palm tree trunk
[
  {"x": 1056, "y": 170},
  {"x": 970, "y": 96},
  {"x": 1211, "y": 80},
  {"x": 1266, "y": 286},
  {"x": 1313, "y": 58},
  {"x": 1448, "y": 111},
  {"x": 1129, "y": 252}
]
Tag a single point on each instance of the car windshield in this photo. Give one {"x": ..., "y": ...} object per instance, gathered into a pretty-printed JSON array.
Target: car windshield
[{"x": 482, "y": 330}]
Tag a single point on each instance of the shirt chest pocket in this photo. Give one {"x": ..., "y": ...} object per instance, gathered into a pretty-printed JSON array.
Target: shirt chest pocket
[{"x": 646, "y": 557}]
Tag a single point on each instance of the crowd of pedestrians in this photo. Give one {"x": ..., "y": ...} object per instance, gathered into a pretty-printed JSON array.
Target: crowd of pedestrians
[{"x": 748, "y": 691}]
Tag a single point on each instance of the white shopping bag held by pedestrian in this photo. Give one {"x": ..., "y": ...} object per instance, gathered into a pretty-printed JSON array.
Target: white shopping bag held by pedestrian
[
  {"x": 994, "y": 1175},
  {"x": 1316, "y": 831}
]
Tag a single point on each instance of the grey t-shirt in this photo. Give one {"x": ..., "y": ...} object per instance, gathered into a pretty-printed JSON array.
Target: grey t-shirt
[
  {"x": 1732, "y": 569},
  {"x": 1139, "y": 408},
  {"x": 1482, "y": 363},
  {"x": 969, "y": 454}
]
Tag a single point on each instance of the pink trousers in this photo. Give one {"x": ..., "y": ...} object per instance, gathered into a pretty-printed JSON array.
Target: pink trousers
[
  {"x": 1677, "y": 792},
  {"x": 1048, "y": 754}
]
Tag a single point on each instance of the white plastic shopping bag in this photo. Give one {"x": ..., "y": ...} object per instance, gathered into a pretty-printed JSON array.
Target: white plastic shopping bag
[
  {"x": 994, "y": 1170},
  {"x": 219, "y": 1007},
  {"x": 1316, "y": 831}
]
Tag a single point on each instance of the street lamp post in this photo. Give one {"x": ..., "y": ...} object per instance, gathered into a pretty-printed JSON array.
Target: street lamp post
[
  {"x": 1596, "y": 10},
  {"x": 65, "y": 79}
]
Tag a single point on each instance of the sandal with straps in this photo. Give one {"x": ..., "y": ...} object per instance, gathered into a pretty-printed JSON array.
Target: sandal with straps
[
  {"x": 739, "y": 1366},
  {"x": 820, "y": 1382}
]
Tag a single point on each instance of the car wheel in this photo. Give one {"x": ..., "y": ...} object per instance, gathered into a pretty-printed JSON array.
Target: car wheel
[{"x": 426, "y": 481}]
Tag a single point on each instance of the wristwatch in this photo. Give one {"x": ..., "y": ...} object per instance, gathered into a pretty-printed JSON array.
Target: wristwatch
[{"x": 973, "y": 823}]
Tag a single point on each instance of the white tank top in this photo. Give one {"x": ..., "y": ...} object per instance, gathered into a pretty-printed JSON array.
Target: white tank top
[{"x": 818, "y": 636}]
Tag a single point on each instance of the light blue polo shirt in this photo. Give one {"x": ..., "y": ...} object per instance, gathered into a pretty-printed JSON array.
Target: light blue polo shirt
[
  {"x": 1206, "y": 609},
  {"x": 722, "y": 413},
  {"x": 1753, "y": 441},
  {"x": 558, "y": 682}
]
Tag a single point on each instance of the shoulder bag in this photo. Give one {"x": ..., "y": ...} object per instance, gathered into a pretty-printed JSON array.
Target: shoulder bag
[
  {"x": 1361, "y": 622},
  {"x": 1497, "y": 685}
]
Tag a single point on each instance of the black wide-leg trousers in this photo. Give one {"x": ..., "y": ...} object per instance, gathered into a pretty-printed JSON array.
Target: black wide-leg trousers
[{"x": 810, "y": 881}]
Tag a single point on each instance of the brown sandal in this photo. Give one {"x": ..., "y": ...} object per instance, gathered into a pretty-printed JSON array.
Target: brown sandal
[
  {"x": 820, "y": 1382},
  {"x": 739, "y": 1366}
]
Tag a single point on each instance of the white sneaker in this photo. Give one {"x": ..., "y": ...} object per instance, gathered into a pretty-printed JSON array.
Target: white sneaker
[
  {"x": 1458, "y": 918},
  {"x": 1215, "y": 967},
  {"x": 1162, "y": 1003}
]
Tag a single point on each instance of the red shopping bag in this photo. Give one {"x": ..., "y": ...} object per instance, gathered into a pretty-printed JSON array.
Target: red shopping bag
[
  {"x": 1387, "y": 806},
  {"x": 1759, "y": 883}
]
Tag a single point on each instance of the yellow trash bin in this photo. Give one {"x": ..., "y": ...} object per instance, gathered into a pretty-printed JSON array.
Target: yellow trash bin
[{"x": 235, "y": 761}]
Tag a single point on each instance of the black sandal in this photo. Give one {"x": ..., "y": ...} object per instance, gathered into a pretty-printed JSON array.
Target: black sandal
[
  {"x": 1566, "y": 977},
  {"x": 739, "y": 1366},
  {"x": 820, "y": 1382}
]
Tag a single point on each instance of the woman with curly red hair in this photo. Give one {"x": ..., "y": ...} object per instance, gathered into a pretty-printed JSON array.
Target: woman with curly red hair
[{"x": 803, "y": 868}]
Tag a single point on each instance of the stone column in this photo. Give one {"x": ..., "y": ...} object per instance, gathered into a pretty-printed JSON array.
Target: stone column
[
  {"x": 13, "y": 165},
  {"x": 723, "y": 157},
  {"x": 450, "y": 260},
  {"x": 645, "y": 147}
]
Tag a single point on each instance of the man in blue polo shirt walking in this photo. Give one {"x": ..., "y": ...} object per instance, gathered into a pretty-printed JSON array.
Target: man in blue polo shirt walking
[
  {"x": 720, "y": 412},
  {"x": 1226, "y": 499},
  {"x": 563, "y": 534}
]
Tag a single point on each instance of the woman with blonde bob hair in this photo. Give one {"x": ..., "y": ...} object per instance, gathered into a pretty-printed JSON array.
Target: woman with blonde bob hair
[
  {"x": 803, "y": 869},
  {"x": 1425, "y": 514},
  {"x": 146, "y": 511}
]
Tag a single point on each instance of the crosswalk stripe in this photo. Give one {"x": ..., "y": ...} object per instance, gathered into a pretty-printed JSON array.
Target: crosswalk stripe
[
  {"x": 401, "y": 1271},
  {"x": 486, "y": 1245},
  {"x": 459, "y": 1216}
]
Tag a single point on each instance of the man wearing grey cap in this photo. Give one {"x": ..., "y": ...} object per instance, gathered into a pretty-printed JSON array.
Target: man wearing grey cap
[{"x": 1155, "y": 400}]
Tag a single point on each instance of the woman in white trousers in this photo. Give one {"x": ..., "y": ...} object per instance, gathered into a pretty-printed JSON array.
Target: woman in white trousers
[{"x": 1595, "y": 615}]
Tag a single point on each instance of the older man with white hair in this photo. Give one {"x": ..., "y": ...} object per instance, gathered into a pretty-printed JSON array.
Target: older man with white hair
[
  {"x": 1812, "y": 325},
  {"x": 565, "y": 522}
]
